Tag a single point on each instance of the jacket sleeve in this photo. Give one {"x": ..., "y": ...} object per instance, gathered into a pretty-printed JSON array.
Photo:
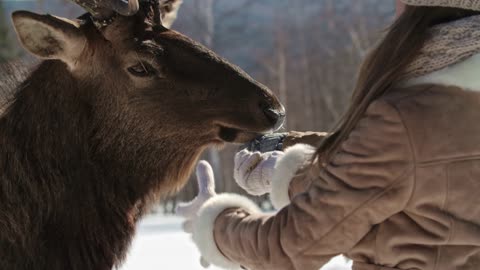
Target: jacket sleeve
[
  {"x": 367, "y": 181},
  {"x": 308, "y": 137}
]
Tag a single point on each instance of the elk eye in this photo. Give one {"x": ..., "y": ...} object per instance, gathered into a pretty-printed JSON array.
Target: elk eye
[{"x": 142, "y": 70}]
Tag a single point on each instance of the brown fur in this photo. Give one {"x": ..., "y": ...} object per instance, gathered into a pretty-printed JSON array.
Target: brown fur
[{"x": 87, "y": 148}]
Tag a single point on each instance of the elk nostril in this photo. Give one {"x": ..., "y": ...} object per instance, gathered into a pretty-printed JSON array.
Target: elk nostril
[{"x": 275, "y": 116}]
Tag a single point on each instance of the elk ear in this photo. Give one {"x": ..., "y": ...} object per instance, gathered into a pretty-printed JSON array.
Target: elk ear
[
  {"x": 169, "y": 9},
  {"x": 49, "y": 37}
]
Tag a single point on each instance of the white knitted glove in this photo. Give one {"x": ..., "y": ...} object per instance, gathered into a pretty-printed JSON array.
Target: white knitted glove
[
  {"x": 201, "y": 213},
  {"x": 206, "y": 190},
  {"x": 253, "y": 170}
]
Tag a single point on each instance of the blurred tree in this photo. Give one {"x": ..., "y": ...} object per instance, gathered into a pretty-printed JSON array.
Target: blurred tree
[
  {"x": 7, "y": 48},
  {"x": 40, "y": 5}
]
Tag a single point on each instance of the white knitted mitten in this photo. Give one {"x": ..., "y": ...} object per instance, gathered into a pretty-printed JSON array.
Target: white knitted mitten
[
  {"x": 201, "y": 213},
  {"x": 253, "y": 170}
]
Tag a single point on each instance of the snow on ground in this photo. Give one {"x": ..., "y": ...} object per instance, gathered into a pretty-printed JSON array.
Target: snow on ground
[{"x": 160, "y": 244}]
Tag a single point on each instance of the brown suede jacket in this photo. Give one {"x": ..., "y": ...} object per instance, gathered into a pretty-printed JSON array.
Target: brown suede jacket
[{"x": 403, "y": 192}]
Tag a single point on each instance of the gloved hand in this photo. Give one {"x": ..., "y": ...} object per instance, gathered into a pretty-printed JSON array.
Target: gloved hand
[
  {"x": 253, "y": 171},
  {"x": 202, "y": 212},
  {"x": 206, "y": 190}
]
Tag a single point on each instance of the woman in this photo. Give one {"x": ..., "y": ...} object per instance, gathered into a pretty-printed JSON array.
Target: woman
[{"x": 395, "y": 186}]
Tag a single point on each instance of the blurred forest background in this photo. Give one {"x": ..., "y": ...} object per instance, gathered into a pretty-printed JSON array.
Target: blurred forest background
[{"x": 306, "y": 51}]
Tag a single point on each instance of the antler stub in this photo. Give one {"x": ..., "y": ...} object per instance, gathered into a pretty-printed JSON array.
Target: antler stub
[{"x": 103, "y": 11}]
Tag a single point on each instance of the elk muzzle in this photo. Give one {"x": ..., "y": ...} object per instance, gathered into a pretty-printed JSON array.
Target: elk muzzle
[{"x": 241, "y": 106}]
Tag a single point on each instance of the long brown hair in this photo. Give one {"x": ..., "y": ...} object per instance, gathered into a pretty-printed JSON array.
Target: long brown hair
[{"x": 384, "y": 65}]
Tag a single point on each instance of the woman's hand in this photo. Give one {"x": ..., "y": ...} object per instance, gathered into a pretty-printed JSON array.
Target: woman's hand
[
  {"x": 202, "y": 212},
  {"x": 206, "y": 190},
  {"x": 254, "y": 170}
]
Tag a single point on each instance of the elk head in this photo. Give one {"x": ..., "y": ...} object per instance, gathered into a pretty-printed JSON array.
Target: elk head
[{"x": 129, "y": 59}]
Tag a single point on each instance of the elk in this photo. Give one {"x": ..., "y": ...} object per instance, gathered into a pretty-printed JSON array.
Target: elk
[{"x": 113, "y": 118}]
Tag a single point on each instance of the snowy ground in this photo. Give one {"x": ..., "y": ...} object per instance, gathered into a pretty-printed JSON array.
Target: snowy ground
[{"x": 161, "y": 245}]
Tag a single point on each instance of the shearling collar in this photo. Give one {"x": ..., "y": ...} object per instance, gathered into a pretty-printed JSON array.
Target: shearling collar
[{"x": 465, "y": 75}]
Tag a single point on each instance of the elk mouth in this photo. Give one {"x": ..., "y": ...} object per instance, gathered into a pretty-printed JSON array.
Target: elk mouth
[{"x": 235, "y": 135}]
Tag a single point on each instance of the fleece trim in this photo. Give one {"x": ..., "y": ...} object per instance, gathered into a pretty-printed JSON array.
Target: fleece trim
[
  {"x": 463, "y": 75},
  {"x": 204, "y": 226},
  {"x": 285, "y": 169}
]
